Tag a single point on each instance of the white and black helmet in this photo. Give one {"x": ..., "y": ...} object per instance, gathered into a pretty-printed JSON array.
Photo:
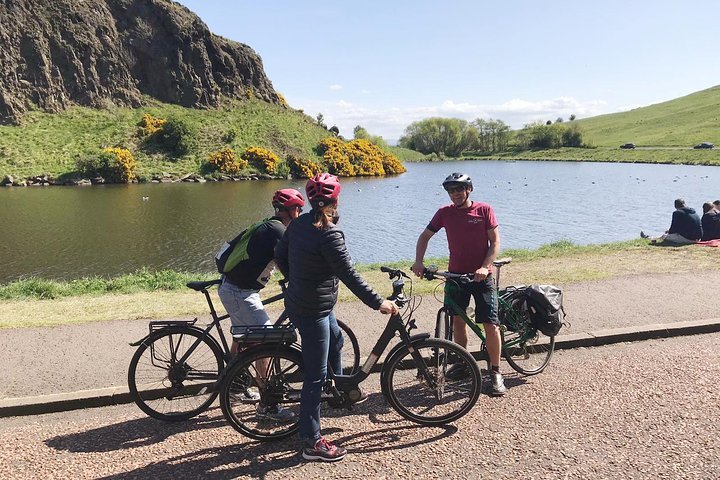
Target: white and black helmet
[{"x": 457, "y": 178}]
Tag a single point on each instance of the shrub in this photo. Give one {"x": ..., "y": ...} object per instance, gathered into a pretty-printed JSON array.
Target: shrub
[
  {"x": 301, "y": 167},
  {"x": 262, "y": 159},
  {"x": 115, "y": 165},
  {"x": 335, "y": 157},
  {"x": 357, "y": 157},
  {"x": 150, "y": 125},
  {"x": 365, "y": 157},
  {"x": 225, "y": 161},
  {"x": 176, "y": 137}
]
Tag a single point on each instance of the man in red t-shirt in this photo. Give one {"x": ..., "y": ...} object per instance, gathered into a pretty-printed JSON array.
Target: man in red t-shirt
[{"x": 474, "y": 242}]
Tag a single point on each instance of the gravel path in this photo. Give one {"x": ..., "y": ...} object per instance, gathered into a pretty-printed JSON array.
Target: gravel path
[
  {"x": 634, "y": 410},
  {"x": 96, "y": 355}
]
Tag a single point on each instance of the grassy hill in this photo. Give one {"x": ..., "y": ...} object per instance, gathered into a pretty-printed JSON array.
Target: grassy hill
[
  {"x": 681, "y": 122},
  {"x": 51, "y": 143}
]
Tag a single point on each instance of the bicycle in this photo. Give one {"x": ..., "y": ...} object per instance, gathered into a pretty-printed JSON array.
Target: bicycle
[
  {"x": 524, "y": 347},
  {"x": 176, "y": 370},
  {"x": 412, "y": 377}
]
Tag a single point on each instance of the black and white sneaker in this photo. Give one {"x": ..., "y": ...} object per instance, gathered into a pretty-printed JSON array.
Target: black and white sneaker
[{"x": 498, "y": 385}]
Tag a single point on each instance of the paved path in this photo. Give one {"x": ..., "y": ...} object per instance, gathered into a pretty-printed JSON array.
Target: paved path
[
  {"x": 39, "y": 361},
  {"x": 643, "y": 410}
]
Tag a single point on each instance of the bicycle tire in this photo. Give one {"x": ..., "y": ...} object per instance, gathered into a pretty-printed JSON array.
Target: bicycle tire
[
  {"x": 350, "y": 356},
  {"x": 410, "y": 395},
  {"x": 282, "y": 386},
  {"x": 531, "y": 350},
  {"x": 167, "y": 390}
]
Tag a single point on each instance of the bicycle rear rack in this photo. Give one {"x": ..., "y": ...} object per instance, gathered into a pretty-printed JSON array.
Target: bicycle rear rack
[{"x": 158, "y": 324}]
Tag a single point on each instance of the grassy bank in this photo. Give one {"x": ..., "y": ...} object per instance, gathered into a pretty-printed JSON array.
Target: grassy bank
[
  {"x": 146, "y": 295},
  {"x": 51, "y": 143},
  {"x": 685, "y": 156}
]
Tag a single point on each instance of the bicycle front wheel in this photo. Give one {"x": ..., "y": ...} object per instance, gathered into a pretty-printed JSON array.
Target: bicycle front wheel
[
  {"x": 166, "y": 386},
  {"x": 260, "y": 394},
  {"x": 423, "y": 393},
  {"x": 525, "y": 348}
]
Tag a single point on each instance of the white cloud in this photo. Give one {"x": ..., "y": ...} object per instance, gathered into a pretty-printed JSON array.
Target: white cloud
[
  {"x": 365, "y": 92},
  {"x": 335, "y": 86},
  {"x": 391, "y": 122}
]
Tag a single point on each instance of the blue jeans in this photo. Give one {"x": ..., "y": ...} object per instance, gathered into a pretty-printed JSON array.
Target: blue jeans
[{"x": 322, "y": 342}]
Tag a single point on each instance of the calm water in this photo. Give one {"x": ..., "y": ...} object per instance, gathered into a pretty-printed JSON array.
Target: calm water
[{"x": 68, "y": 232}]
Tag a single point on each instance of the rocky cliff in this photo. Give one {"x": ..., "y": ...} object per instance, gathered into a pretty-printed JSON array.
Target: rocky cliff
[{"x": 56, "y": 53}]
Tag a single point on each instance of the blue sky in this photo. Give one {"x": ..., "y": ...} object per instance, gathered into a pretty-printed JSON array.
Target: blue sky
[{"x": 385, "y": 64}]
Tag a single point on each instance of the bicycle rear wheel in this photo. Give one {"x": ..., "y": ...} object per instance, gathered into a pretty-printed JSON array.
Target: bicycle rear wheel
[
  {"x": 351, "y": 348},
  {"x": 273, "y": 371},
  {"x": 168, "y": 389},
  {"x": 433, "y": 399},
  {"x": 525, "y": 348}
]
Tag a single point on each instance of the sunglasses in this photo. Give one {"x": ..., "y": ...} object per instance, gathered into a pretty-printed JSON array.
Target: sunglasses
[{"x": 456, "y": 189}]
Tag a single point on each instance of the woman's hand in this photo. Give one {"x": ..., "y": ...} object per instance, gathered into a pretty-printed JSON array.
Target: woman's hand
[{"x": 388, "y": 307}]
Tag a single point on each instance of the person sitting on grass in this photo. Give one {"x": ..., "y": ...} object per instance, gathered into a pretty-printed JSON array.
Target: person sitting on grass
[
  {"x": 685, "y": 227},
  {"x": 710, "y": 222}
]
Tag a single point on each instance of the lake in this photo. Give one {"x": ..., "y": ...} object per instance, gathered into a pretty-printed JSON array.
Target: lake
[{"x": 69, "y": 232}]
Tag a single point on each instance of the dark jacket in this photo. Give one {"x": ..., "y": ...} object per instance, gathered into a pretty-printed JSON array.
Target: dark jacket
[
  {"x": 313, "y": 260},
  {"x": 254, "y": 272},
  {"x": 686, "y": 223},
  {"x": 711, "y": 226}
]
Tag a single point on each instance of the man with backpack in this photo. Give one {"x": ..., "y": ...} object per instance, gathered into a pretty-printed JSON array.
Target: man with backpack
[
  {"x": 247, "y": 262},
  {"x": 474, "y": 242}
]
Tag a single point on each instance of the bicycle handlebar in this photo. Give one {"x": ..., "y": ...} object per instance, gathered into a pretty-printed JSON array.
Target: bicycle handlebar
[
  {"x": 393, "y": 272},
  {"x": 433, "y": 273}
]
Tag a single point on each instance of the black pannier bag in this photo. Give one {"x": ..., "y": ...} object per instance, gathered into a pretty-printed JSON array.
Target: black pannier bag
[{"x": 545, "y": 303}]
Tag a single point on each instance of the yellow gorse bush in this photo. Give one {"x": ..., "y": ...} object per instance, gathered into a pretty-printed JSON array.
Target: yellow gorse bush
[
  {"x": 262, "y": 159},
  {"x": 150, "y": 125},
  {"x": 225, "y": 161},
  {"x": 301, "y": 167},
  {"x": 357, "y": 158},
  {"x": 125, "y": 165}
]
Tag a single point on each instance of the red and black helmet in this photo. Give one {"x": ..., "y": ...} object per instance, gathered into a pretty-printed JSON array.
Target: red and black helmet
[
  {"x": 288, "y": 198},
  {"x": 323, "y": 186}
]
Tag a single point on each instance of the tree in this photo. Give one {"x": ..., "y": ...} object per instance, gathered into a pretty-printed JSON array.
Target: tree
[
  {"x": 334, "y": 130},
  {"x": 492, "y": 135},
  {"x": 320, "y": 119},
  {"x": 549, "y": 122},
  {"x": 559, "y": 120},
  {"x": 360, "y": 133},
  {"x": 572, "y": 117},
  {"x": 441, "y": 136}
]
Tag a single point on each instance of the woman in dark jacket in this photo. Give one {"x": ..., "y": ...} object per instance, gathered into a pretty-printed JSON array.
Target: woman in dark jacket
[{"x": 313, "y": 256}]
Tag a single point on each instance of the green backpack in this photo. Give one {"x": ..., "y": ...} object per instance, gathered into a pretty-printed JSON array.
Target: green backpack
[{"x": 235, "y": 251}]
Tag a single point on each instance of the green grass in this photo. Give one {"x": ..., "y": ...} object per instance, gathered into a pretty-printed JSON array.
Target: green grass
[
  {"x": 681, "y": 122},
  {"x": 146, "y": 280},
  {"x": 51, "y": 143}
]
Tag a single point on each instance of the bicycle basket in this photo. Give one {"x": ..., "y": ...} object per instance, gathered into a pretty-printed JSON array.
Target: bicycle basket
[{"x": 264, "y": 334}]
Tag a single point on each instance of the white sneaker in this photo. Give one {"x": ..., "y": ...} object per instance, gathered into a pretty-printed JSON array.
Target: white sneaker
[
  {"x": 275, "y": 412},
  {"x": 249, "y": 395}
]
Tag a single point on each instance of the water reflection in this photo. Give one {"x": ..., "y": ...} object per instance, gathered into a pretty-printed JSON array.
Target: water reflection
[{"x": 67, "y": 232}]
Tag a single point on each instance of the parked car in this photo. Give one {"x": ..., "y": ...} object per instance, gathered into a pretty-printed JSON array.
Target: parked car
[
  {"x": 627, "y": 145},
  {"x": 704, "y": 145}
]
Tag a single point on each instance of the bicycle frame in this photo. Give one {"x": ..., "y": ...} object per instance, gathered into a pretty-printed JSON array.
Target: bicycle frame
[
  {"x": 395, "y": 324},
  {"x": 205, "y": 332}
]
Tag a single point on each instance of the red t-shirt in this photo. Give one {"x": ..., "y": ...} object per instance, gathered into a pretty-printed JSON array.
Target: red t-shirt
[{"x": 467, "y": 234}]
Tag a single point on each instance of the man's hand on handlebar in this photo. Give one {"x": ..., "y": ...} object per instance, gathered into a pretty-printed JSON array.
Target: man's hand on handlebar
[
  {"x": 418, "y": 268},
  {"x": 481, "y": 274},
  {"x": 388, "y": 307}
]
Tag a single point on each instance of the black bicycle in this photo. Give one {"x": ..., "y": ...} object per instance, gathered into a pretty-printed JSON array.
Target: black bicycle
[
  {"x": 526, "y": 349},
  {"x": 176, "y": 370},
  {"x": 412, "y": 377}
]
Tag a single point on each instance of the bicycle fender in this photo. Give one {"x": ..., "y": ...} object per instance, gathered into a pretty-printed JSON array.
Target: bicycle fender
[{"x": 174, "y": 327}]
